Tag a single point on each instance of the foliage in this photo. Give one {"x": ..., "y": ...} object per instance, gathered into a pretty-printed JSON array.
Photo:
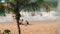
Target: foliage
[
  {"x": 33, "y": 6},
  {"x": 37, "y": 5},
  {"x": 20, "y": 5},
  {"x": 2, "y": 10},
  {"x": 40, "y": 1},
  {"x": 6, "y": 32}
]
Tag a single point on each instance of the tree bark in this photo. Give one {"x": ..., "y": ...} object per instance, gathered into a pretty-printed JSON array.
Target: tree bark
[
  {"x": 17, "y": 19},
  {"x": 18, "y": 15}
]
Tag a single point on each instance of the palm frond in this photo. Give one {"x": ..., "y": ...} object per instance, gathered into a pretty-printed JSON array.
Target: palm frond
[
  {"x": 37, "y": 5},
  {"x": 48, "y": 6},
  {"x": 31, "y": 7}
]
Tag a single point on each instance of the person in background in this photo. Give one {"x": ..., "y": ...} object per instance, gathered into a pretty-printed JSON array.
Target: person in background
[{"x": 27, "y": 22}]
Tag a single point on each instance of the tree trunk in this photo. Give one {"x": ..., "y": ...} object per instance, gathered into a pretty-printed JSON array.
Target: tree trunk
[
  {"x": 18, "y": 15},
  {"x": 17, "y": 19}
]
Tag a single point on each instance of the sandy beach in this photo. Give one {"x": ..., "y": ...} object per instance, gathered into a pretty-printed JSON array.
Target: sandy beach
[{"x": 35, "y": 27}]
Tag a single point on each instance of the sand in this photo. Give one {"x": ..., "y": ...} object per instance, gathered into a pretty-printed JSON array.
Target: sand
[{"x": 35, "y": 27}]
